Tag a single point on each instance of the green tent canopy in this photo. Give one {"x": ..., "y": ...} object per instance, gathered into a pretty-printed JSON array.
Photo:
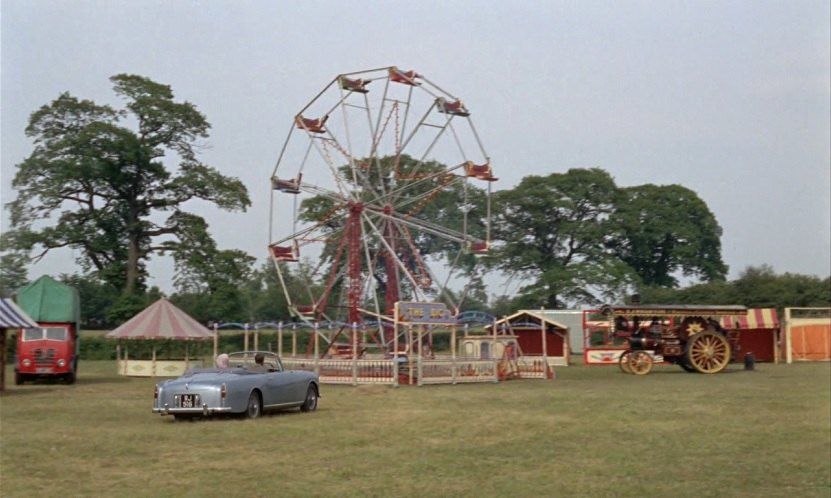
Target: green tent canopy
[{"x": 48, "y": 301}]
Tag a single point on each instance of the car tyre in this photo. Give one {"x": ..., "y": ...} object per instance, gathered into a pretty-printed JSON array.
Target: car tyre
[
  {"x": 310, "y": 404},
  {"x": 254, "y": 408}
]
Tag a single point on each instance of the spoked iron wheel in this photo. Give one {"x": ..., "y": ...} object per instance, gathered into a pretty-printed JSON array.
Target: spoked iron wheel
[
  {"x": 708, "y": 352},
  {"x": 623, "y": 362},
  {"x": 640, "y": 362}
]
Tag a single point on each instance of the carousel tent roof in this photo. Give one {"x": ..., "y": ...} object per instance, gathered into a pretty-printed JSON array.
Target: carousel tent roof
[
  {"x": 162, "y": 320},
  {"x": 11, "y": 316}
]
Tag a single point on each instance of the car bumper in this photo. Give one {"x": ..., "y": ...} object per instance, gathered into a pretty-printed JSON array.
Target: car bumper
[{"x": 203, "y": 410}]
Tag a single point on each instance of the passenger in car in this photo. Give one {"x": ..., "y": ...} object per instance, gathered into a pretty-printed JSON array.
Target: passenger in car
[{"x": 222, "y": 361}]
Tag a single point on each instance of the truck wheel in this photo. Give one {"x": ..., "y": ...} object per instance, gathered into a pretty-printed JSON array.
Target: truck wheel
[
  {"x": 19, "y": 378},
  {"x": 69, "y": 378}
]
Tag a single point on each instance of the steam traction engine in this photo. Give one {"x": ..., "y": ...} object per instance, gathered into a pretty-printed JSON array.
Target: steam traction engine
[{"x": 689, "y": 336}]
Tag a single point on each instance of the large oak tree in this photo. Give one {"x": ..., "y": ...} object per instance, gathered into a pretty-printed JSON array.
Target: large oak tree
[
  {"x": 576, "y": 237},
  {"x": 666, "y": 231},
  {"x": 113, "y": 183},
  {"x": 552, "y": 232}
]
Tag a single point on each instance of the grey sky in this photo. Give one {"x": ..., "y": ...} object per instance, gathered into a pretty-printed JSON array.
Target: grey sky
[{"x": 729, "y": 98}]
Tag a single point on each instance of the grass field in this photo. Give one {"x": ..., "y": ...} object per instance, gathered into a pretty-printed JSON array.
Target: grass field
[{"x": 591, "y": 432}]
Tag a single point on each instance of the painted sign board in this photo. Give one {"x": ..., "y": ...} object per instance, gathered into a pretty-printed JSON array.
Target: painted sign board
[{"x": 424, "y": 313}]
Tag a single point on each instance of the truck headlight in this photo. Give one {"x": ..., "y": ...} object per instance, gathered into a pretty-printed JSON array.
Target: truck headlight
[
  {"x": 61, "y": 362},
  {"x": 27, "y": 362}
]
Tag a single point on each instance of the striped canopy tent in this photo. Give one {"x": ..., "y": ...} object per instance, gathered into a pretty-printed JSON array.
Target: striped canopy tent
[
  {"x": 756, "y": 318},
  {"x": 11, "y": 317},
  {"x": 758, "y": 333},
  {"x": 161, "y": 321}
]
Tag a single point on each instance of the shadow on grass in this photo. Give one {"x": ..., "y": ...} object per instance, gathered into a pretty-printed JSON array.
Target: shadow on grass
[{"x": 234, "y": 417}]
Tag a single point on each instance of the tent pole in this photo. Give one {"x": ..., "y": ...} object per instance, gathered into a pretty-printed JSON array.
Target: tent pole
[
  {"x": 153, "y": 370},
  {"x": 216, "y": 342},
  {"x": 280, "y": 339},
  {"x": 544, "y": 344}
]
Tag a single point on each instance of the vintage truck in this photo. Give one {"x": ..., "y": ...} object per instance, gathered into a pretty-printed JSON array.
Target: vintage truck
[
  {"x": 50, "y": 350},
  {"x": 689, "y": 336}
]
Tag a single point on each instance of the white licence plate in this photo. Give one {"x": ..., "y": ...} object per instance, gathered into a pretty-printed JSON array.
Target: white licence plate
[{"x": 43, "y": 370}]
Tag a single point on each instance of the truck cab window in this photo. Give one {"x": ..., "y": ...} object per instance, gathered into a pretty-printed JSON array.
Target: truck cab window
[{"x": 55, "y": 334}]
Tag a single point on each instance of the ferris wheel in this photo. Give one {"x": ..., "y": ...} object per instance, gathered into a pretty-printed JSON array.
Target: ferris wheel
[{"x": 381, "y": 193}]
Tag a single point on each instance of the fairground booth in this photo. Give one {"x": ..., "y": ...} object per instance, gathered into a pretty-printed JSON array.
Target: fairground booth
[
  {"x": 161, "y": 323},
  {"x": 807, "y": 334},
  {"x": 538, "y": 333}
]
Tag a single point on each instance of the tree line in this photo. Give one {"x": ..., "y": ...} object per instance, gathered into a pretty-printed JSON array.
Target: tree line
[{"x": 99, "y": 180}]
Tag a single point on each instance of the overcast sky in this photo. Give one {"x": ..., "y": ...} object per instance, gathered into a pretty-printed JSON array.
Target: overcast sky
[{"x": 731, "y": 99}]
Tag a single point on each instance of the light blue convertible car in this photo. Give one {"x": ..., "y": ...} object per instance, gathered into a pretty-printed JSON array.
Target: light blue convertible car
[{"x": 242, "y": 388}]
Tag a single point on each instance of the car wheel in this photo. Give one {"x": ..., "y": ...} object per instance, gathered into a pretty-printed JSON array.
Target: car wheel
[
  {"x": 310, "y": 404},
  {"x": 254, "y": 407}
]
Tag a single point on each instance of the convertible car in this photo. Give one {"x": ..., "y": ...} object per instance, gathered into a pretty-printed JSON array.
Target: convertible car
[{"x": 242, "y": 388}]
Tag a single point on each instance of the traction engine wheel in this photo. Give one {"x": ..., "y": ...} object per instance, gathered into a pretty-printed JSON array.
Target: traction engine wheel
[
  {"x": 640, "y": 362},
  {"x": 708, "y": 352},
  {"x": 623, "y": 362}
]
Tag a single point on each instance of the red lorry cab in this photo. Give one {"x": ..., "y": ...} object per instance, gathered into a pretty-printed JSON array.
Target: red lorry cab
[{"x": 51, "y": 349}]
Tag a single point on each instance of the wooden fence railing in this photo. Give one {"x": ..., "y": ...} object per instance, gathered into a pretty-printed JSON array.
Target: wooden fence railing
[{"x": 442, "y": 369}]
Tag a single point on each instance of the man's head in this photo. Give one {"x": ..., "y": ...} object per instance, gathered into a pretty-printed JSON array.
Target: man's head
[{"x": 259, "y": 358}]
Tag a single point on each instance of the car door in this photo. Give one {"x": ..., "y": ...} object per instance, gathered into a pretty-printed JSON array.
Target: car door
[{"x": 276, "y": 389}]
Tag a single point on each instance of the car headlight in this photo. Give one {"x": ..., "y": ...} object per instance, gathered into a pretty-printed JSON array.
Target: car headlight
[
  {"x": 27, "y": 362},
  {"x": 61, "y": 362}
]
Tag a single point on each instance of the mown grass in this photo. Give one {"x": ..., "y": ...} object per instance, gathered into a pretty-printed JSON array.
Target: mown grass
[{"x": 592, "y": 432}]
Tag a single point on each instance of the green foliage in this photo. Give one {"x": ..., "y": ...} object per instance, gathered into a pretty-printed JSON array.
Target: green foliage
[
  {"x": 96, "y": 185},
  {"x": 577, "y": 238},
  {"x": 552, "y": 231},
  {"x": 95, "y": 346},
  {"x": 660, "y": 231},
  {"x": 13, "y": 272},
  {"x": 97, "y": 296},
  {"x": 756, "y": 287}
]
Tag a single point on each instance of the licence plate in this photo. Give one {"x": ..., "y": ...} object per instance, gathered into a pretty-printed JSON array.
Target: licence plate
[
  {"x": 43, "y": 370},
  {"x": 189, "y": 400}
]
